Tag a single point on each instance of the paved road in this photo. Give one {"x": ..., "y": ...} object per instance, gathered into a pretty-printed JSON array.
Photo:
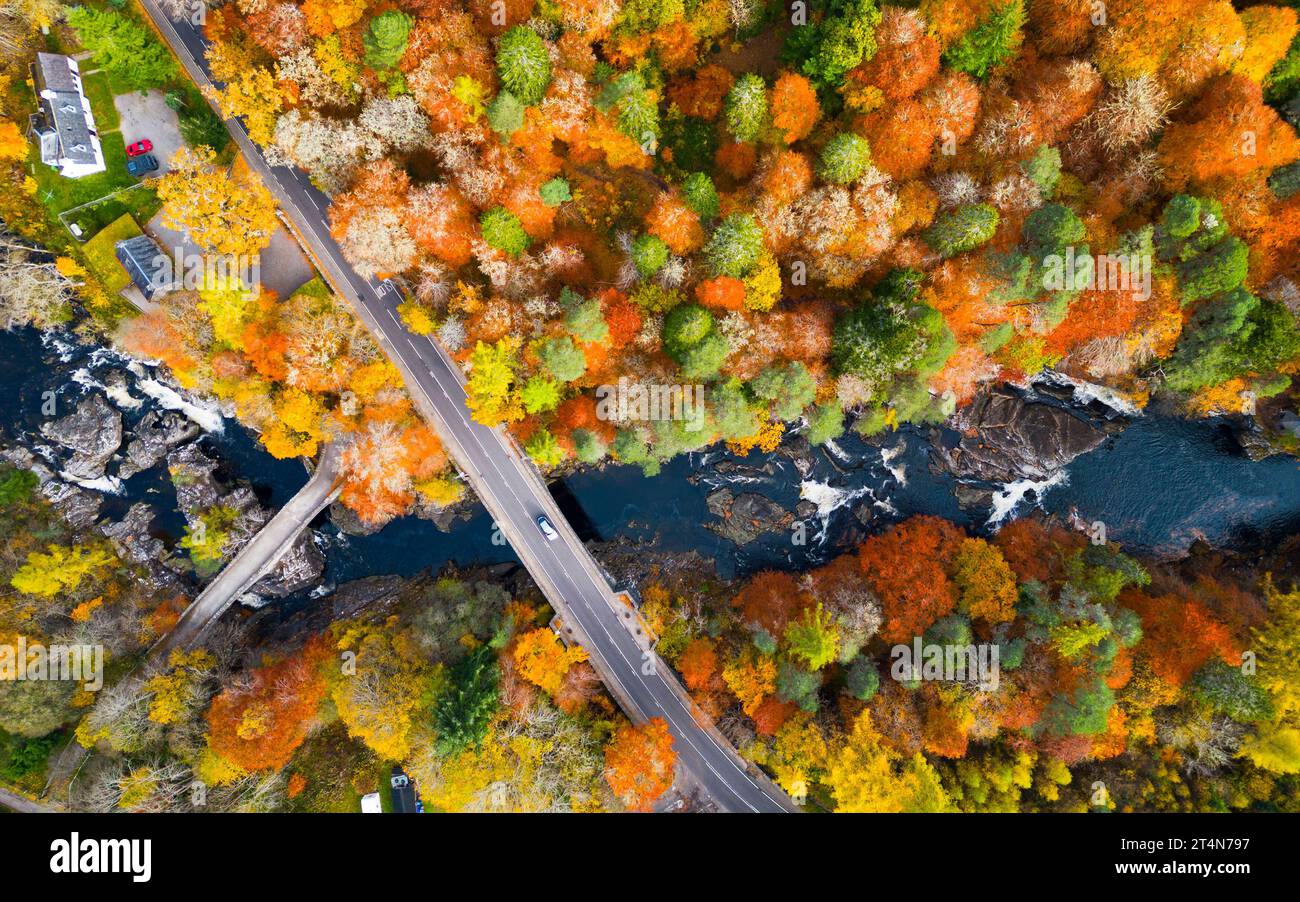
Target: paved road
[
  {"x": 513, "y": 492},
  {"x": 22, "y": 804},
  {"x": 255, "y": 559}
]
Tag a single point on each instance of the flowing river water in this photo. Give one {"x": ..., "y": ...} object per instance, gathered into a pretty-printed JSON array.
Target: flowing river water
[{"x": 1158, "y": 485}]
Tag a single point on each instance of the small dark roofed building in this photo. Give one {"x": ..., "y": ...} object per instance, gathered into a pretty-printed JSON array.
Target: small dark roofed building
[
  {"x": 146, "y": 264},
  {"x": 64, "y": 127}
]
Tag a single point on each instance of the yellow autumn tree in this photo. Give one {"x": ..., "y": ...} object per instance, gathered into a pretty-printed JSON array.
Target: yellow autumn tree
[
  {"x": 296, "y": 429},
  {"x": 865, "y": 777},
  {"x": 751, "y": 678},
  {"x": 543, "y": 660},
  {"x": 254, "y": 96},
  {"x": 492, "y": 396},
  {"x": 175, "y": 691},
  {"x": 13, "y": 146},
  {"x": 379, "y": 690},
  {"x": 222, "y": 212},
  {"x": 59, "y": 570}
]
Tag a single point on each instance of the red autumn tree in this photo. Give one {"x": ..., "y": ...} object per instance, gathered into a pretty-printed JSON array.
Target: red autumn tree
[{"x": 771, "y": 599}]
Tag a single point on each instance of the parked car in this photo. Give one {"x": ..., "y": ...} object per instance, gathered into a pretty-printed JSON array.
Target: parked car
[
  {"x": 547, "y": 529},
  {"x": 405, "y": 800},
  {"x": 143, "y": 146},
  {"x": 370, "y": 804},
  {"x": 142, "y": 165}
]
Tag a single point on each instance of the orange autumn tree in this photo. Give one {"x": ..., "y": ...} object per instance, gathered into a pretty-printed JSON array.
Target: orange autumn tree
[
  {"x": 383, "y": 463},
  {"x": 904, "y": 566},
  {"x": 640, "y": 763},
  {"x": 699, "y": 666},
  {"x": 1228, "y": 131},
  {"x": 258, "y": 727},
  {"x": 1179, "y": 635},
  {"x": 794, "y": 106}
]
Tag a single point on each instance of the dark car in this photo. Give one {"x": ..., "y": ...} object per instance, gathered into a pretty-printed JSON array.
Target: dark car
[
  {"x": 405, "y": 799},
  {"x": 142, "y": 165},
  {"x": 143, "y": 146}
]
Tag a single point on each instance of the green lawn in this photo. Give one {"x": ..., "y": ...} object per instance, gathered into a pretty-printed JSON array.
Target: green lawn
[
  {"x": 141, "y": 203},
  {"x": 100, "y": 96},
  {"x": 59, "y": 193},
  {"x": 101, "y": 256}
]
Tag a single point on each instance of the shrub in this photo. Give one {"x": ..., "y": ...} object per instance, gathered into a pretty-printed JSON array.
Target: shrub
[
  {"x": 503, "y": 230},
  {"x": 844, "y": 158},
  {"x": 523, "y": 64}
]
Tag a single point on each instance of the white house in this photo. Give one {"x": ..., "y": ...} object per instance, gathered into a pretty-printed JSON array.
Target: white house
[{"x": 64, "y": 126}]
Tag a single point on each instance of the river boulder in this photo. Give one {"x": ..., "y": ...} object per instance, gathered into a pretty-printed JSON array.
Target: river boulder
[
  {"x": 92, "y": 432},
  {"x": 1006, "y": 437},
  {"x": 747, "y": 516},
  {"x": 151, "y": 439}
]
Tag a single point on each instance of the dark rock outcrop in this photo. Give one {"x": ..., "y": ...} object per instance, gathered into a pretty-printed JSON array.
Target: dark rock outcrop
[
  {"x": 78, "y": 507},
  {"x": 747, "y": 516},
  {"x": 1006, "y": 437},
  {"x": 92, "y": 432},
  {"x": 132, "y": 538},
  {"x": 152, "y": 438}
]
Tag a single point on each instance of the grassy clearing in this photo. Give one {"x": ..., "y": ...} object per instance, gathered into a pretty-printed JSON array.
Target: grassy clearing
[
  {"x": 339, "y": 770},
  {"x": 102, "y": 107},
  {"x": 102, "y": 257},
  {"x": 140, "y": 203}
]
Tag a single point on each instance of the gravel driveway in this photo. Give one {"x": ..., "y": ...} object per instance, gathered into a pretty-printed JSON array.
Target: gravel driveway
[{"x": 149, "y": 116}]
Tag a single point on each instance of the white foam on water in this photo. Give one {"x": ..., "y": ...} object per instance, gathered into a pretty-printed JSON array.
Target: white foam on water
[
  {"x": 1009, "y": 497},
  {"x": 108, "y": 485},
  {"x": 253, "y": 600},
  {"x": 118, "y": 394},
  {"x": 836, "y": 452},
  {"x": 208, "y": 416},
  {"x": 888, "y": 456},
  {"x": 828, "y": 499},
  {"x": 1086, "y": 392},
  {"x": 65, "y": 350}
]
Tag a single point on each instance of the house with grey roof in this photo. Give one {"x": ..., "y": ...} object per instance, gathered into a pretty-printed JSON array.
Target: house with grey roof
[
  {"x": 144, "y": 261},
  {"x": 64, "y": 126}
]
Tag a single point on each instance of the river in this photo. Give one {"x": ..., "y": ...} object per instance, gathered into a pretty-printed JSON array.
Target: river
[{"x": 1158, "y": 485}]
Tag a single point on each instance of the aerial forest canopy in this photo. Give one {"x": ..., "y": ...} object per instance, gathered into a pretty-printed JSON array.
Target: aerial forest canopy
[{"x": 827, "y": 215}]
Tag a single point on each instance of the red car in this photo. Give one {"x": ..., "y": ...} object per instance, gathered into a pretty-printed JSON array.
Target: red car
[{"x": 144, "y": 145}]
